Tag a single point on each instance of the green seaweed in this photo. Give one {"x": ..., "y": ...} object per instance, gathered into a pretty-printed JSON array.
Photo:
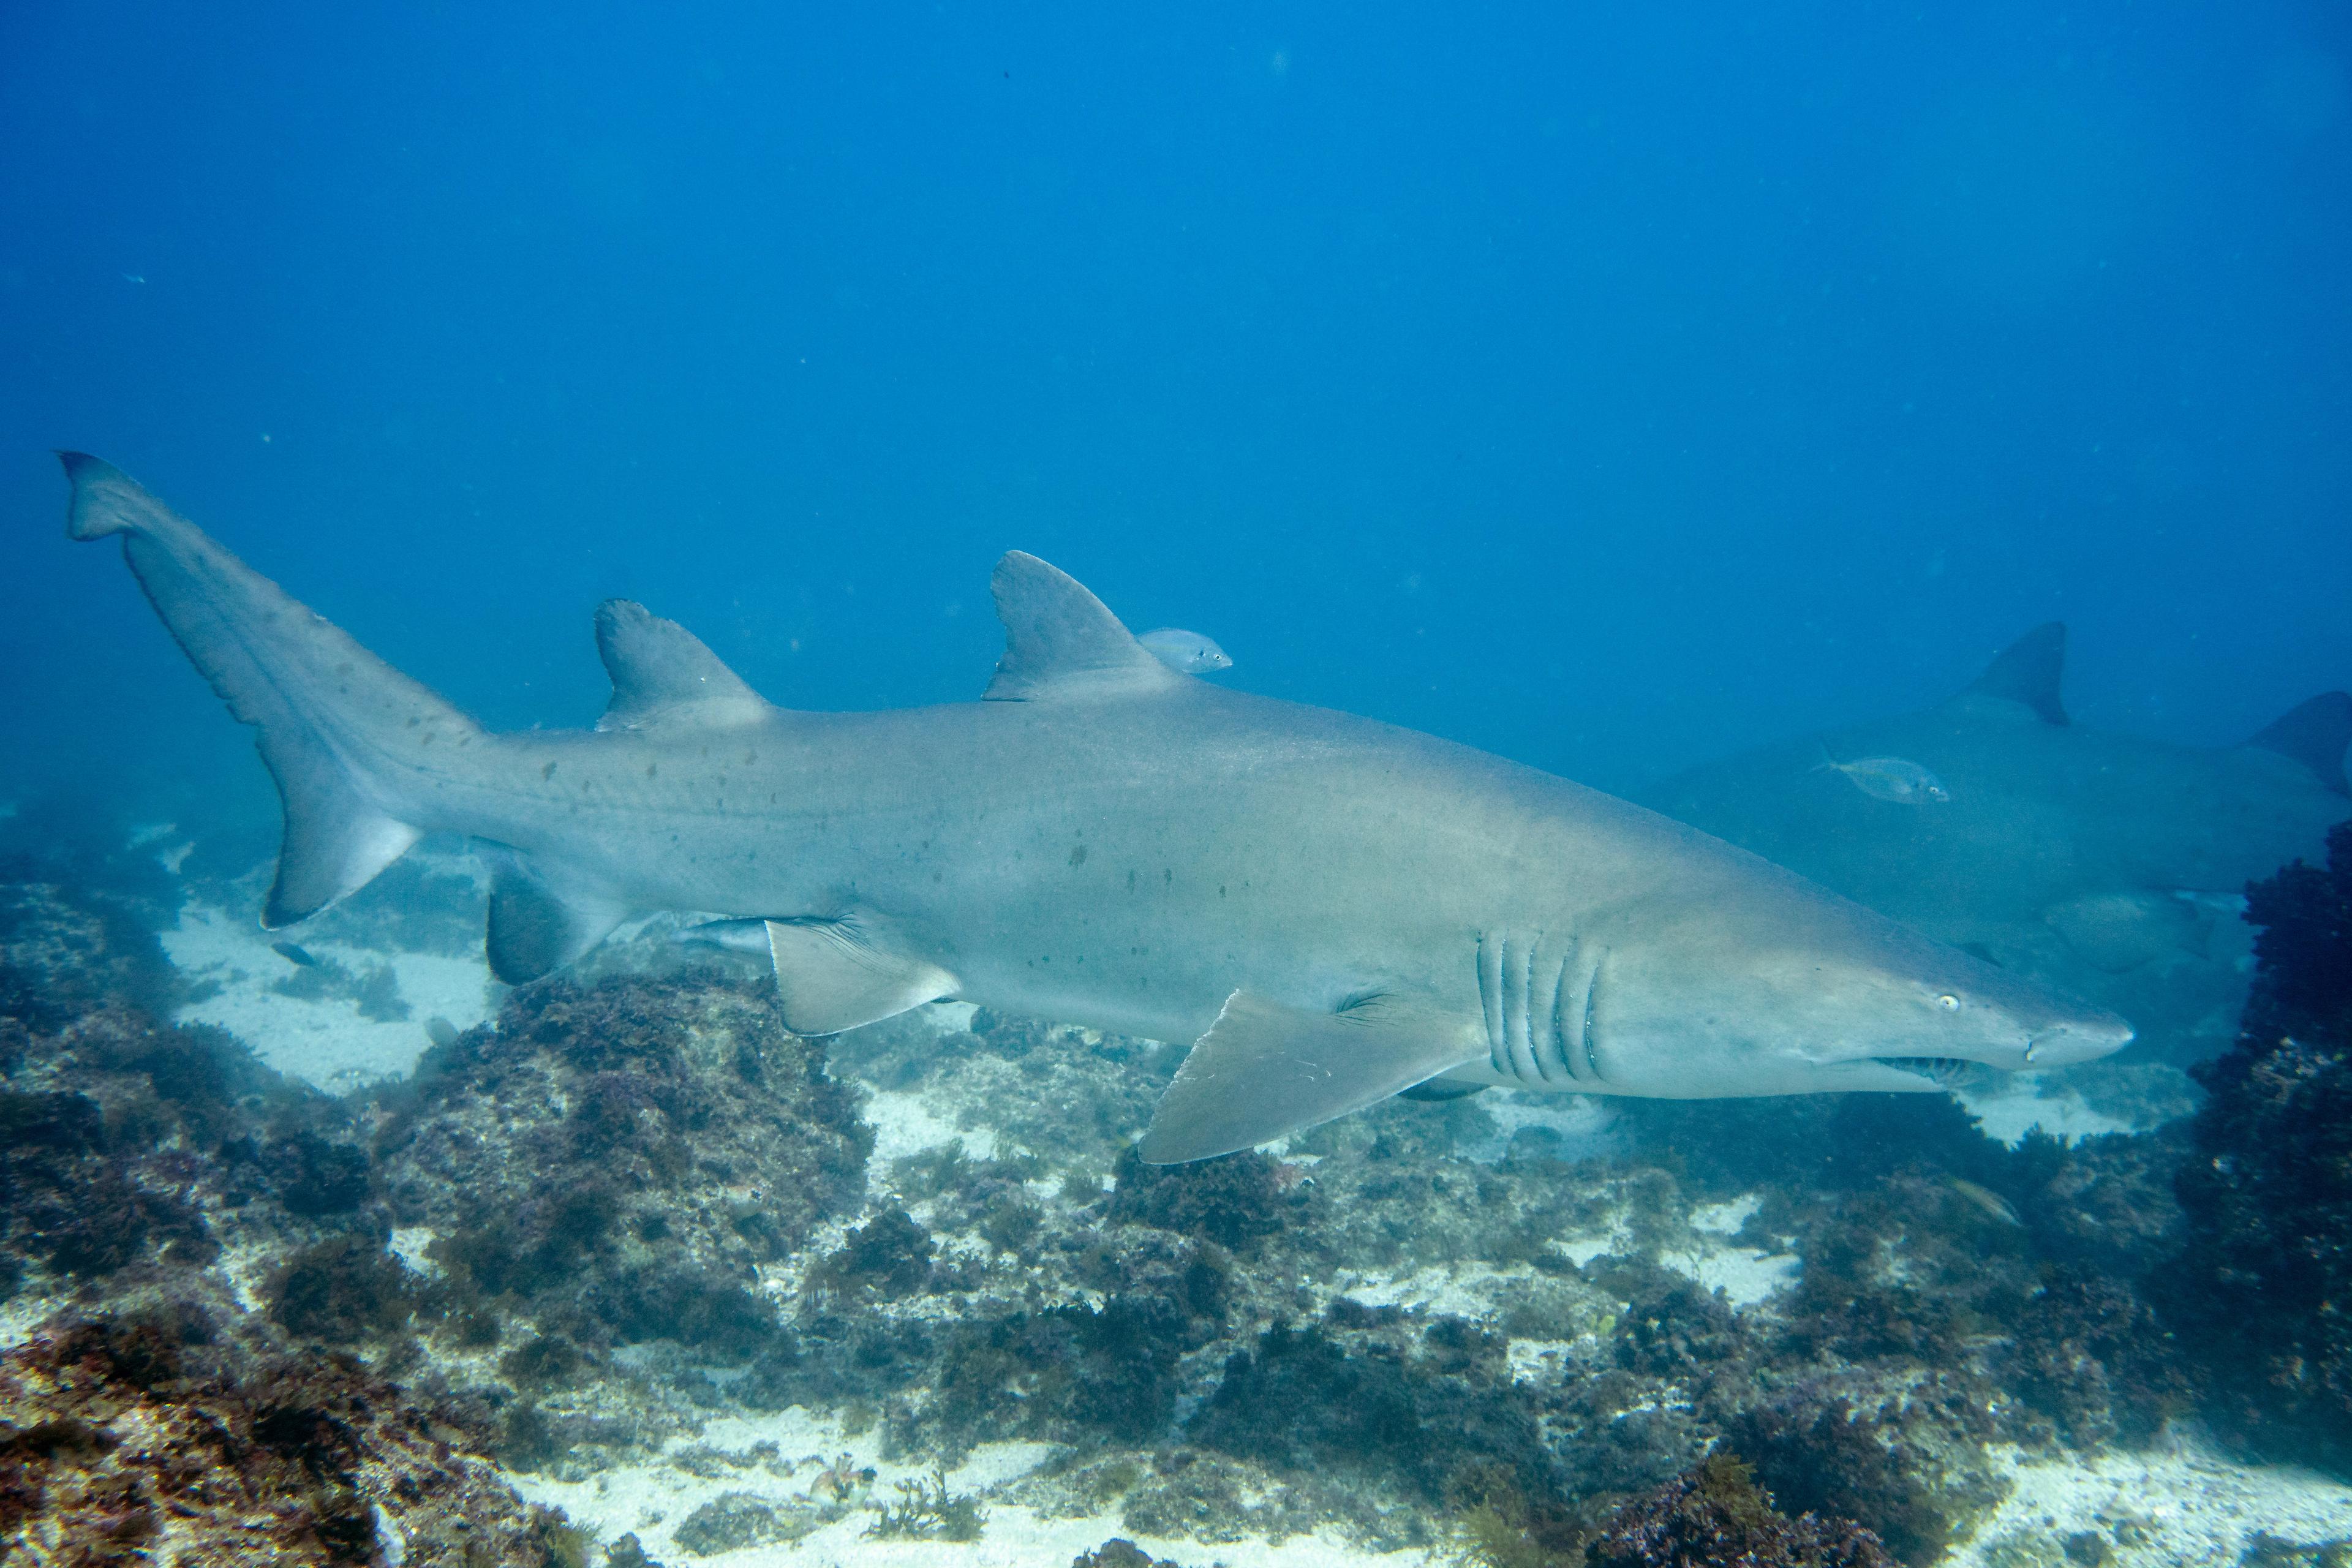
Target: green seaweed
[{"x": 926, "y": 1511}]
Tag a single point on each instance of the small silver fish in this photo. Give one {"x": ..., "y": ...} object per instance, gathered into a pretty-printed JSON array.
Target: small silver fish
[
  {"x": 1985, "y": 1198},
  {"x": 1186, "y": 653},
  {"x": 1897, "y": 779},
  {"x": 440, "y": 1031}
]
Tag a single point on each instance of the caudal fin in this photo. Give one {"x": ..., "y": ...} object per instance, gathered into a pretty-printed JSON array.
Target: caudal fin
[
  {"x": 2029, "y": 670},
  {"x": 2314, "y": 733},
  {"x": 338, "y": 725}
]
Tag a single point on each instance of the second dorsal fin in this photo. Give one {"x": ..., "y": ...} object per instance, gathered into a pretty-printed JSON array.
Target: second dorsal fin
[
  {"x": 662, "y": 675},
  {"x": 1062, "y": 641},
  {"x": 2029, "y": 670}
]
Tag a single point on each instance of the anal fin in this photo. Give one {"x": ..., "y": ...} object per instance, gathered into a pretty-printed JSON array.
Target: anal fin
[
  {"x": 1266, "y": 1068},
  {"x": 834, "y": 975},
  {"x": 535, "y": 930}
]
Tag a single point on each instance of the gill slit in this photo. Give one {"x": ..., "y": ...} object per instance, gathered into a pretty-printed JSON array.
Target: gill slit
[
  {"x": 1541, "y": 1008},
  {"x": 1589, "y": 1029}
]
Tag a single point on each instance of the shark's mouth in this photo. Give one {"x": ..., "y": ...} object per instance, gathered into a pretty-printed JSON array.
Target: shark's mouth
[{"x": 1942, "y": 1071}]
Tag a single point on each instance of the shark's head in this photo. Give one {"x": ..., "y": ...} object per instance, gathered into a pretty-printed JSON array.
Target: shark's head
[{"x": 1810, "y": 993}]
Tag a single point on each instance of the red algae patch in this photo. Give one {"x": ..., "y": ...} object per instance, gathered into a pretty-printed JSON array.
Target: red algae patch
[{"x": 121, "y": 1444}]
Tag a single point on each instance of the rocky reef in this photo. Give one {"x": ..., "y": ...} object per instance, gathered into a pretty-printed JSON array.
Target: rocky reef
[
  {"x": 1718, "y": 1515},
  {"x": 157, "y": 1185},
  {"x": 162, "y": 1438},
  {"x": 634, "y": 1227},
  {"x": 2263, "y": 1287}
]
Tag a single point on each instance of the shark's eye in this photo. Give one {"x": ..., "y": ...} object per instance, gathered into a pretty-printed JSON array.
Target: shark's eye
[{"x": 1948, "y": 1003}]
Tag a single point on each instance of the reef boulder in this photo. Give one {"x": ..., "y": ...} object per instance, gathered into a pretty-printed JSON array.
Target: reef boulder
[{"x": 2263, "y": 1292}]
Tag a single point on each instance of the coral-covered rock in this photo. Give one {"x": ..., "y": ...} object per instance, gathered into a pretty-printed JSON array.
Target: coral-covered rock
[
  {"x": 62, "y": 954},
  {"x": 1231, "y": 1201},
  {"x": 2261, "y": 1292},
  {"x": 617, "y": 1160},
  {"x": 120, "y": 1442},
  {"x": 1829, "y": 1458},
  {"x": 1716, "y": 1517},
  {"x": 124, "y": 1140},
  {"x": 1374, "y": 1399},
  {"x": 2091, "y": 1356}
]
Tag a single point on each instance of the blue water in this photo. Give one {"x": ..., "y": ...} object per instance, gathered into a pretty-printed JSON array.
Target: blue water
[{"x": 1608, "y": 387}]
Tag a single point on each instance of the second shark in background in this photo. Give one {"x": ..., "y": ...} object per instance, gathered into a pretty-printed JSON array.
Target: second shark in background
[{"x": 2110, "y": 865}]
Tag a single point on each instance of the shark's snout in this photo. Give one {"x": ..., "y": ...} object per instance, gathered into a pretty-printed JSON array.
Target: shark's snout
[{"x": 2084, "y": 1039}]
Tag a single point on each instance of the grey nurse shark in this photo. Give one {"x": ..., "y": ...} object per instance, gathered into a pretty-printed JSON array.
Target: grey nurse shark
[
  {"x": 1333, "y": 910},
  {"x": 2106, "y": 864}
]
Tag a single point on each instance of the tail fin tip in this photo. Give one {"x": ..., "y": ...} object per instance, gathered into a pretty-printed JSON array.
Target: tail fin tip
[
  {"x": 2314, "y": 733},
  {"x": 105, "y": 500},
  {"x": 2029, "y": 670}
]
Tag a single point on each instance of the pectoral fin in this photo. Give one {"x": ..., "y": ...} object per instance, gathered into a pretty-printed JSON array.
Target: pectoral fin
[
  {"x": 835, "y": 974},
  {"x": 1266, "y": 1068}
]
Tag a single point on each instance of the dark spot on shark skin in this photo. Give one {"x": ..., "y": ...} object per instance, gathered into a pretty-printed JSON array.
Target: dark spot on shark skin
[
  {"x": 1130, "y": 881},
  {"x": 1078, "y": 855},
  {"x": 652, "y": 768},
  {"x": 548, "y": 772}
]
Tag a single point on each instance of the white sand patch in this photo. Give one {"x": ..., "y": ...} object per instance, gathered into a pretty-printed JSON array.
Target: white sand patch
[
  {"x": 1582, "y": 1122},
  {"x": 1461, "y": 1289},
  {"x": 26, "y": 1311},
  {"x": 245, "y": 1266},
  {"x": 2185, "y": 1504},
  {"x": 1743, "y": 1274},
  {"x": 904, "y": 1125},
  {"x": 2015, "y": 1104},
  {"x": 1725, "y": 1218},
  {"x": 1582, "y": 1250},
  {"x": 326, "y": 1040},
  {"x": 409, "y": 1244},
  {"x": 653, "y": 1499},
  {"x": 1545, "y": 1362}
]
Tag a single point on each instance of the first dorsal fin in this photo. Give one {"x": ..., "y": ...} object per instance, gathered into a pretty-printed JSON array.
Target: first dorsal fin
[
  {"x": 2029, "y": 670},
  {"x": 2314, "y": 733},
  {"x": 662, "y": 675},
  {"x": 1062, "y": 641}
]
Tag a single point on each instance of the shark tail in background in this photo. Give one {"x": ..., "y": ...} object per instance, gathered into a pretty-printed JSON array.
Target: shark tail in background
[
  {"x": 2029, "y": 670},
  {"x": 346, "y": 736},
  {"x": 2314, "y": 733}
]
